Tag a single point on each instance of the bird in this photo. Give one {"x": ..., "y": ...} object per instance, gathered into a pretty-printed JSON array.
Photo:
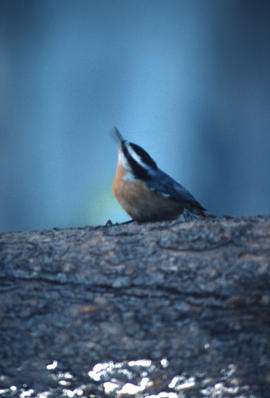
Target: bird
[{"x": 146, "y": 192}]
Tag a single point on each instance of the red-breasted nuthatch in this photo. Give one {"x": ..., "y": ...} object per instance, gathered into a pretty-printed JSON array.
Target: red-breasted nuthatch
[{"x": 144, "y": 191}]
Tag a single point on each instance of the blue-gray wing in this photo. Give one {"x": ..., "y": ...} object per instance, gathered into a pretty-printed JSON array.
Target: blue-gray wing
[{"x": 166, "y": 186}]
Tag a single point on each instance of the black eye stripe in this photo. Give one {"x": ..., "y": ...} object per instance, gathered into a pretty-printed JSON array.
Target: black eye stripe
[
  {"x": 138, "y": 170},
  {"x": 144, "y": 156}
]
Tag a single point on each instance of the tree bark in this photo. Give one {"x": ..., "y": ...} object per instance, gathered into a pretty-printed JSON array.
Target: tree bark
[{"x": 191, "y": 298}]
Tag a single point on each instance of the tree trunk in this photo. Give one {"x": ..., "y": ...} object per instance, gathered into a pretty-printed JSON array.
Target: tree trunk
[{"x": 191, "y": 299}]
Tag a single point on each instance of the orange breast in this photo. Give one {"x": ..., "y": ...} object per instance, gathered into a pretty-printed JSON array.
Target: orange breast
[{"x": 141, "y": 203}]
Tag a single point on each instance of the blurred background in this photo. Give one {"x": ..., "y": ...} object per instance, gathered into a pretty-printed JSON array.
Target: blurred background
[{"x": 189, "y": 80}]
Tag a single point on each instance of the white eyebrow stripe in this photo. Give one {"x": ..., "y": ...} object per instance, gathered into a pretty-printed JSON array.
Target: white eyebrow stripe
[{"x": 137, "y": 157}]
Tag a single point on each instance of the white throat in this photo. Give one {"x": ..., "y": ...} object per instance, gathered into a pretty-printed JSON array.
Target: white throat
[{"x": 123, "y": 161}]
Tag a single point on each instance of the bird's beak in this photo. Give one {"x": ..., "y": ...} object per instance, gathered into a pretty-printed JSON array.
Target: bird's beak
[{"x": 118, "y": 135}]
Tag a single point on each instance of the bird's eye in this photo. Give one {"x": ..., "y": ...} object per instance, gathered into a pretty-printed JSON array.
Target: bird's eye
[
  {"x": 143, "y": 155},
  {"x": 139, "y": 167}
]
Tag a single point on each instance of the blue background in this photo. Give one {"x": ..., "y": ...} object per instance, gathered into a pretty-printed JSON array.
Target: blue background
[{"x": 187, "y": 80}]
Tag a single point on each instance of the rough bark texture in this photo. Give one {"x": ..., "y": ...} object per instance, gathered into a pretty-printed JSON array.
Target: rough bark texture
[{"x": 193, "y": 298}]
